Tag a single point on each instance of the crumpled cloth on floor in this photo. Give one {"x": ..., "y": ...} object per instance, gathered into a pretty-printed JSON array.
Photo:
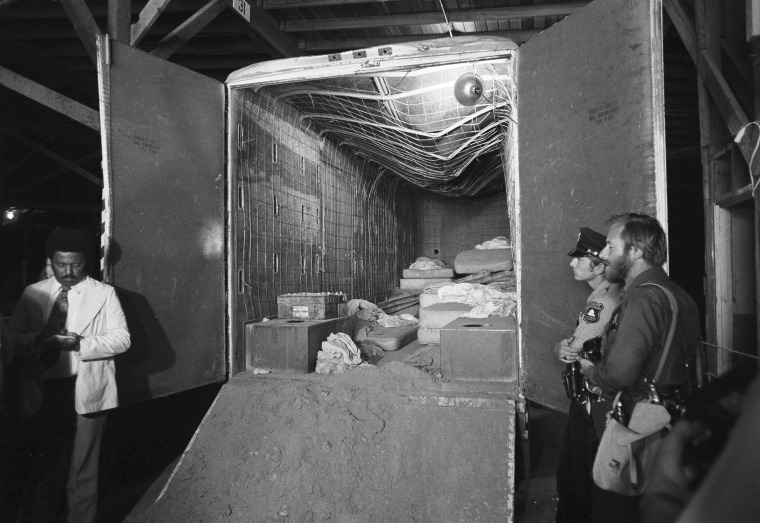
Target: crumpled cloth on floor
[
  {"x": 427, "y": 358},
  {"x": 500, "y": 242},
  {"x": 338, "y": 354},
  {"x": 364, "y": 310},
  {"x": 487, "y": 301},
  {"x": 424, "y": 264}
]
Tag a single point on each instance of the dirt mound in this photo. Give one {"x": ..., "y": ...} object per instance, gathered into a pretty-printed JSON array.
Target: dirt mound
[{"x": 345, "y": 448}]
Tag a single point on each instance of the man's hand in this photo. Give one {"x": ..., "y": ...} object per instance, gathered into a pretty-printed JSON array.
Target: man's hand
[
  {"x": 68, "y": 341},
  {"x": 565, "y": 352}
]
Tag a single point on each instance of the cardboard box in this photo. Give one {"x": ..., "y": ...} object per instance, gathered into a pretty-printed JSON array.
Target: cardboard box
[{"x": 480, "y": 349}]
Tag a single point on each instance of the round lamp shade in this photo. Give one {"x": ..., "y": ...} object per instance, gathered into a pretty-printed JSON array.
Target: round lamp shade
[{"x": 468, "y": 89}]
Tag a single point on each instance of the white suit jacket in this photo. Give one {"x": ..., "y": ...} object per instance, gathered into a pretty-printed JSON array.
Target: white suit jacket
[{"x": 100, "y": 319}]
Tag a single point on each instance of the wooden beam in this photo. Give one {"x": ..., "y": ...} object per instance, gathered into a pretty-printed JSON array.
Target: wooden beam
[
  {"x": 119, "y": 13},
  {"x": 54, "y": 156},
  {"x": 84, "y": 25},
  {"x": 49, "y": 98},
  {"x": 37, "y": 180},
  {"x": 463, "y": 15},
  {"x": 264, "y": 27},
  {"x": 519, "y": 37},
  {"x": 745, "y": 71},
  {"x": 720, "y": 92},
  {"x": 20, "y": 163},
  {"x": 189, "y": 28},
  {"x": 148, "y": 17}
]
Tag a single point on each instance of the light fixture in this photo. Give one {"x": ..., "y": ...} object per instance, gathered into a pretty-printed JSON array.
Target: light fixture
[
  {"x": 11, "y": 214},
  {"x": 468, "y": 89}
]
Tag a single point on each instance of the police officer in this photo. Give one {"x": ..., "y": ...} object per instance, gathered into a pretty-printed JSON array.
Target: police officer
[
  {"x": 574, "y": 483},
  {"x": 636, "y": 249}
]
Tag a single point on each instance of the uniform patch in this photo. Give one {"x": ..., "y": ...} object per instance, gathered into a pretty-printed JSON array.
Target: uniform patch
[{"x": 593, "y": 312}]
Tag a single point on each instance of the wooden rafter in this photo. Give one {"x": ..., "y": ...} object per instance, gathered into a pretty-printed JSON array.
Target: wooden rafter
[
  {"x": 37, "y": 180},
  {"x": 189, "y": 28},
  {"x": 264, "y": 27},
  {"x": 464, "y": 15},
  {"x": 84, "y": 25},
  {"x": 50, "y": 154},
  {"x": 724, "y": 99},
  {"x": 148, "y": 17},
  {"x": 49, "y": 98},
  {"x": 31, "y": 153}
]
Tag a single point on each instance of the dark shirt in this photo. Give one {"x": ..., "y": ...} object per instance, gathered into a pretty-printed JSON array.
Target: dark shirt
[{"x": 637, "y": 335}]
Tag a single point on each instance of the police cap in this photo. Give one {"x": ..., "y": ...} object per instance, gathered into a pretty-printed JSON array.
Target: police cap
[{"x": 590, "y": 243}]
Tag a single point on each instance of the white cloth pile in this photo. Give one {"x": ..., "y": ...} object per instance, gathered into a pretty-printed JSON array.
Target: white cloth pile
[
  {"x": 500, "y": 242},
  {"x": 425, "y": 264},
  {"x": 486, "y": 301},
  {"x": 338, "y": 354}
]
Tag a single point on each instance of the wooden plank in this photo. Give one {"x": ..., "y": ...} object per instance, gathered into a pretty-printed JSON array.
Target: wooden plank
[
  {"x": 148, "y": 17},
  {"x": 189, "y": 28},
  {"x": 119, "y": 12},
  {"x": 50, "y": 154},
  {"x": 718, "y": 323},
  {"x": 49, "y": 98},
  {"x": 264, "y": 27},
  {"x": 464, "y": 15},
  {"x": 741, "y": 195},
  {"x": 84, "y": 25}
]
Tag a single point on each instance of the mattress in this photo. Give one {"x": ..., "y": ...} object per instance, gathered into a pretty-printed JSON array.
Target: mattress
[{"x": 476, "y": 260}]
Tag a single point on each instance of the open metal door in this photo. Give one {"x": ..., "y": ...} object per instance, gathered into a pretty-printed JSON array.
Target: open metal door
[
  {"x": 591, "y": 143},
  {"x": 162, "y": 129}
]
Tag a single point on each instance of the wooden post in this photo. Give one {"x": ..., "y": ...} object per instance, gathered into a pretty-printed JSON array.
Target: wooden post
[{"x": 706, "y": 36}]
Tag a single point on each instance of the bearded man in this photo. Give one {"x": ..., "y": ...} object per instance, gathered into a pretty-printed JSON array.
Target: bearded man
[{"x": 635, "y": 251}]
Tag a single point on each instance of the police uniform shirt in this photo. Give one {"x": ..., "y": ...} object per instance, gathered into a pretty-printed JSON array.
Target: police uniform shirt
[{"x": 598, "y": 311}]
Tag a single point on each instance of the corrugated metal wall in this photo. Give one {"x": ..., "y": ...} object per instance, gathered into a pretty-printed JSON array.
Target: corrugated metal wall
[{"x": 309, "y": 216}]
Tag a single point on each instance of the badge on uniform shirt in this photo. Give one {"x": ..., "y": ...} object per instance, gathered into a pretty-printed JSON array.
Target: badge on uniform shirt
[{"x": 593, "y": 312}]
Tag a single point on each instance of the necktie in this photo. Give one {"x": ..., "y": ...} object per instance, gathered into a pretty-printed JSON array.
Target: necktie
[{"x": 56, "y": 324}]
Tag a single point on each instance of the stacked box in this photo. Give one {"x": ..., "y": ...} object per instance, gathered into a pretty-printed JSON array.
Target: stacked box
[
  {"x": 309, "y": 305},
  {"x": 434, "y": 317},
  {"x": 289, "y": 344}
]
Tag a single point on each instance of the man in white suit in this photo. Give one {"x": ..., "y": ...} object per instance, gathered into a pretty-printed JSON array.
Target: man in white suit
[{"x": 68, "y": 329}]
